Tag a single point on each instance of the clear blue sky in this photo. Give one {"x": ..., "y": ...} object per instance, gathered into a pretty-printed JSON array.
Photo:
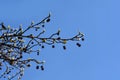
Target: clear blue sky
[{"x": 99, "y": 20}]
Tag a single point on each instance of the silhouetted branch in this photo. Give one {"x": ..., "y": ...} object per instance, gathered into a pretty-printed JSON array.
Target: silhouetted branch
[{"x": 13, "y": 47}]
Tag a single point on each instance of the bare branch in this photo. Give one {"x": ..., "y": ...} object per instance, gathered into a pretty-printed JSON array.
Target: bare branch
[{"x": 13, "y": 47}]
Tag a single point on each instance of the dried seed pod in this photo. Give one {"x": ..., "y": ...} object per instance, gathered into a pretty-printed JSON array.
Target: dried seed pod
[
  {"x": 64, "y": 47},
  {"x": 78, "y": 44},
  {"x": 28, "y": 65},
  {"x": 43, "y": 25},
  {"x": 37, "y": 67},
  {"x": 43, "y": 46},
  {"x": 53, "y": 46},
  {"x": 21, "y": 74},
  {"x": 38, "y": 53},
  {"x": 32, "y": 42},
  {"x": 42, "y": 67},
  {"x": 20, "y": 38},
  {"x": 82, "y": 39}
]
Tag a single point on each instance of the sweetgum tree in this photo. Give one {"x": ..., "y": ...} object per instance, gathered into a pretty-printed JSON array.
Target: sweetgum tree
[{"x": 15, "y": 44}]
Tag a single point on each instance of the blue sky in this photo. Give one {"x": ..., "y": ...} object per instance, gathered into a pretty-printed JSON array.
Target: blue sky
[{"x": 99, "y": 20}]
